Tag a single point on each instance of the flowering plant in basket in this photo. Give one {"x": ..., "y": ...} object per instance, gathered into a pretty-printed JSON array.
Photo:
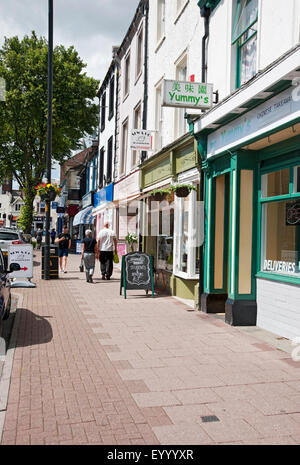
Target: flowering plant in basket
[{"x": 48, "y": 191}]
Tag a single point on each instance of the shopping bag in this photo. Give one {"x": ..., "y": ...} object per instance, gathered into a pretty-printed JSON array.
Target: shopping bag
[
  {"x": 81, "y": 267},
  {"x": 116, "y": 258}
]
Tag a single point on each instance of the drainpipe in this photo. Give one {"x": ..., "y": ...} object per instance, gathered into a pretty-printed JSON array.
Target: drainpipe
[
  {"x": 145, "y": 110},
  {"x": 204, "y": 13}
]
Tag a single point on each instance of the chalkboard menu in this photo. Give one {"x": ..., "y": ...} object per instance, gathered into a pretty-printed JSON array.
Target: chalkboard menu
[{"x": 137, "y": 272}]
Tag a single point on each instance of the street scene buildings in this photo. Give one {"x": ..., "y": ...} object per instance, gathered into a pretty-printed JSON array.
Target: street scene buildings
[{"x": 196, "y": 157}]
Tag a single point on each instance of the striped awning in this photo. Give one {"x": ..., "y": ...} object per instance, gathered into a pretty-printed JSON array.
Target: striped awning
[{"x": 84, "y": 216}]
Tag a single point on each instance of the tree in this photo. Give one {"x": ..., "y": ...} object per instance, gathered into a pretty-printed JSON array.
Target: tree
[{"x": 23, "y": 117}]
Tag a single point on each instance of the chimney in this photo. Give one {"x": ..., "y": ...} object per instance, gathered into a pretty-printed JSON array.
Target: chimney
[{"x": 115, "y": 49}]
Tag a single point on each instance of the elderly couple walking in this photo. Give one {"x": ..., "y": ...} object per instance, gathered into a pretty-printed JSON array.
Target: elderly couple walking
[{"x": 102, "y": 250}]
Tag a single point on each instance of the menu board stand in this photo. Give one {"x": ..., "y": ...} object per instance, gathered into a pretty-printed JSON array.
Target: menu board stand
[{"x": 137, "y": 272}]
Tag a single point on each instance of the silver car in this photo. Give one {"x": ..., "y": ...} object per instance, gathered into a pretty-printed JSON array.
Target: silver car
[{"x": 9, "y": 236}]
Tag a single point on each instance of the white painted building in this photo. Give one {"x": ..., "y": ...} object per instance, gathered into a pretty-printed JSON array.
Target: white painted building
[{"x": 249, "y": 145}]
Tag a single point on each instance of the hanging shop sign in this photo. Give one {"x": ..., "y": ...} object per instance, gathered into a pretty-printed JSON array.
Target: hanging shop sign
[
  {"x": 293, "y": 213},
  {"x": 185, "y": 94},
  {"x": 141, "y": 139},
  {"x": 104, "y": 196},
  {"x": 87, "y": 200},
  {"x": 137, "y": 272}
]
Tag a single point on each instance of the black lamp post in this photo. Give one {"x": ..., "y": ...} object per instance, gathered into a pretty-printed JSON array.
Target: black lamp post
[{"x": 49, "y": 134}]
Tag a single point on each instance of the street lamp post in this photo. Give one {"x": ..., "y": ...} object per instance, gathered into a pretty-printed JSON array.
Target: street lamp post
[{"x": 49, "y": 134}]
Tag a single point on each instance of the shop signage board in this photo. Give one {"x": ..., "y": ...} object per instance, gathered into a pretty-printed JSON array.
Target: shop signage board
[
  {"x": 277, "y": 110},
  {"x": 186, "y": 94},
  {"x": 23, "y": 255},
  {"x": 87, "y": 200},
  {"x": 141, "y": 139},
  {"x": 54, "y": 205},
  {"x": 137, "y": 272}
]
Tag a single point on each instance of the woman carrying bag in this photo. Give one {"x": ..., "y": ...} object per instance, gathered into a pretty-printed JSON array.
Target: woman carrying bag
[{"x": 88, "y": 253}]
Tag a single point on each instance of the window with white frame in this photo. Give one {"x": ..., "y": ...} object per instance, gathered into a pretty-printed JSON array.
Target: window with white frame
[
  {"x": 139, "y": 53},
  {"x": 161, "y": 5},
  {"x": 111, "y": 97},
  {"x": 187, "y": 235},
  {"x": 127, "y": 75},
  {"x": 103, "y": 107},
  {"x": 244, "y": 38},
  {"x": 101, "y": 167},
  {"x": 180, "y": 126},
  {"x": 137, "y": 124},
  {"x": 158, "y": 119},
  {"x": 124, "y": 147}
]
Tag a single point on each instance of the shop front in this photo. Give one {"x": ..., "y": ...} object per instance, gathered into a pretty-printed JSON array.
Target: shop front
[
  {"x": 252, "y": 202},
  {"x": 126, "y": 204},
  {"x": 104, "y": 209},
  {"x": 171, "y": 226}
]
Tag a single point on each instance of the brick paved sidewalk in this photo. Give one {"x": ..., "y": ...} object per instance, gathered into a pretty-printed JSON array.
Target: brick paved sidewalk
[{"x": 93, "y": 368}]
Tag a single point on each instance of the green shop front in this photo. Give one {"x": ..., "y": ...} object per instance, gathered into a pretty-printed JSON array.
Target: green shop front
[
  {"x": 169, "y": 224},
  {"x": 250, "y": 155}
]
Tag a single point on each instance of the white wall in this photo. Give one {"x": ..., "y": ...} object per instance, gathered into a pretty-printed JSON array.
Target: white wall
[
  {"x": 278, "y": 308},
  {"x": 183, "y": 33},
  {"x": 134, "y": 97}
]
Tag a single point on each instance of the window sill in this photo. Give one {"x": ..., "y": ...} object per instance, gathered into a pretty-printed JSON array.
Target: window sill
[
  {"x": 159, "y": 44},
  {"x": 183, "y": 275},
  {"x": 137, "y": 77},
  {"x": 179, "y": 13},
  {"x": 278, "y": 277}
]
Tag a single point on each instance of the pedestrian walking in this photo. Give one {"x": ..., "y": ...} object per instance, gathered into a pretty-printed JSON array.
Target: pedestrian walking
[
  {"x": 39, "y": 238},
  {"x": 106, "y": 244},
  {"x": 52, "y": 235},
  {"x": 88, "y": 253},
  {"x": 64, "y": 243}
]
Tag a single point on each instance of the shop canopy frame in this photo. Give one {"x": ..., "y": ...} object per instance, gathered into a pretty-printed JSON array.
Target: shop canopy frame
[{"x": 84, "y": 216}]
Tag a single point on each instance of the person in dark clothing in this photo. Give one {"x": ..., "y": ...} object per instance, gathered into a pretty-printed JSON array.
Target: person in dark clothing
[
  {"x": 88, "y": 254},
  {"x": 39, "y": 238},
  {"x": 64, "y": 243},
  {"x": 52, "y": 235}
]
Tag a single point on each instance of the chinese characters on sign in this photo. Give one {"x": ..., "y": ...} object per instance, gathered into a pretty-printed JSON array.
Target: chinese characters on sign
[{"x": 197, "y": 95}]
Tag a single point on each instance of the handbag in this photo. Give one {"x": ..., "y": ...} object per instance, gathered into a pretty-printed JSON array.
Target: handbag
[
  {"x": 81, "y": 267},
  {"x": 116, "y": 258}
]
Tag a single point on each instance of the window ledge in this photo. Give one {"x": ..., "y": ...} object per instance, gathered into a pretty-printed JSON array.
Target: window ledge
[
  {"x": 290, "y": 279},
  {"x": 138, "y": 77},
  {"x": 159, "y": 44},
  {"x": 181, "y": 274},
  {"x": 179, "y": 13}
]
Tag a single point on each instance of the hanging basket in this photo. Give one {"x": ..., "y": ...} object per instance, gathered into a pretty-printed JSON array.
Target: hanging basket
[
  {"x": 48, "y": 197},
  {"x": 182, "y": 191},
  {"x": 159, "y": 197}
]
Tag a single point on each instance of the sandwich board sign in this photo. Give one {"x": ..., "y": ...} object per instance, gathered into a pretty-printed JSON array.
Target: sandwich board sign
[
  {"x": 137, "y": 272},
  {"x": 23, "y": 255},
  {"x": 185, "y": 94}
]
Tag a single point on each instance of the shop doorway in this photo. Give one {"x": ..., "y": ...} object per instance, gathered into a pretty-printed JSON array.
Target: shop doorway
[{"x": 221, "y": 239}]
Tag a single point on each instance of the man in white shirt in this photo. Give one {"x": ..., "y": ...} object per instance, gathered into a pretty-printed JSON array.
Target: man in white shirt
[{"x": 107, "y": 243}]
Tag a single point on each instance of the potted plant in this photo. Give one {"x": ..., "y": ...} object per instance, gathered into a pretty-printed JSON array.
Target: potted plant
[
  {"x": 131, "y": 239},
  {"x": 48, "y": 192},
  {"x": 183, "y": 190},
  {"x": 161, "y": 194}
]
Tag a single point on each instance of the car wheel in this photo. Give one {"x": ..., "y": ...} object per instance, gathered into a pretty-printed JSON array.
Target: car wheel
[{"x": 7, "y": 310}]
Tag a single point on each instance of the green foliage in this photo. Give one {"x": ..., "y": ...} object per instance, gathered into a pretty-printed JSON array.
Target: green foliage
[
  {"x": 25, "y": 218},
  {"x": 23, "y": 116},
  {"x": 190, "y": 187}
]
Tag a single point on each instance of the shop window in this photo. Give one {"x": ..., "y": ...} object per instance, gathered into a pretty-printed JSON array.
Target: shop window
[
  {"x": 101, "y": 167},
  {"x": 165, "y": 238},
  {"x": 281, "y": 237},
  {"x": 187, "y": 235},
  {"x": 159, "y": 118},
  {"x": 124, "y": 147},
  {"x": 109, "y": 160},
  {"x": 244, "y": 38},
  {"x": 275, "y": 183}
]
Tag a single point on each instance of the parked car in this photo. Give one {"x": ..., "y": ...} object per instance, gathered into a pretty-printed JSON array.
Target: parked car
[
  {"x": 9, "y": 236},
  {"x": 5, "y": 296}
]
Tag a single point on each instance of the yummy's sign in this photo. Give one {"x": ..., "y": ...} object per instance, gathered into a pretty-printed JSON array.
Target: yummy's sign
[{"x": 185, "y": 94}]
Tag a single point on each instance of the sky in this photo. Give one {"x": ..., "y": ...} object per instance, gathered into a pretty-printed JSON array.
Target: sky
[{"x": 93, "y": 27}]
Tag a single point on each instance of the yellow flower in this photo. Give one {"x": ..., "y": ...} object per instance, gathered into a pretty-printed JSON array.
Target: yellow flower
[{"x": 48, "y": 185}]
